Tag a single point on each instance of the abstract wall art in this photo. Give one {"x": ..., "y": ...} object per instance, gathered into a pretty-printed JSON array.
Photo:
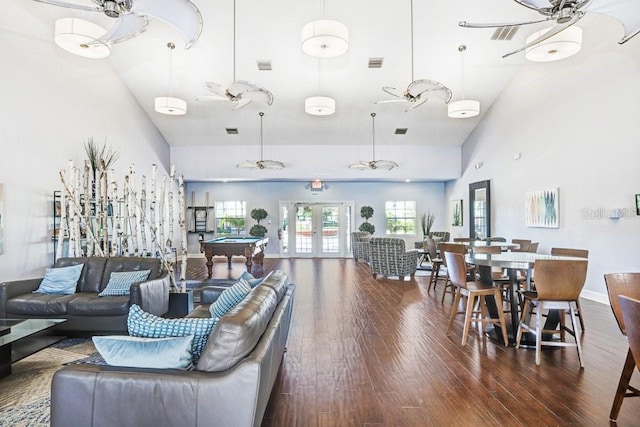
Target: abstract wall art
[{"x": 542, "y": 208}]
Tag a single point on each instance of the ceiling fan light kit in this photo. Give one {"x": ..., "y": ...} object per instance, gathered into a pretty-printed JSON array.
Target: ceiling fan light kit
[
  {"x": 325, "y": 38},
  {"x": 566, "y": 43},
  {"x": 320, "y": 105},
  {"x": 81, "y": 38},
  {"x": 169, "y": 104}
]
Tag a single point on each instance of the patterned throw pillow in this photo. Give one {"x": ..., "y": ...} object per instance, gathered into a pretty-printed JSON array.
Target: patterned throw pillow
[
  {"x": 61, "y": 280},
  {"x": 253, "y": 282},
  {"x": 120, "y": 282},
  {"x": 143, "y": 324},
  {"x": 229, "y": 298}
]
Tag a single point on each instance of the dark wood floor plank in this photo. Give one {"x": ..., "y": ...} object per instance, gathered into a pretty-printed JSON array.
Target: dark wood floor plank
[{"x": 367, "y": 352}]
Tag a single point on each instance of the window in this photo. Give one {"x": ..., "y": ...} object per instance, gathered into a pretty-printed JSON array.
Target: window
[
  {"x": 401, "y": 217},
  {"x": 231, "y": 218}
]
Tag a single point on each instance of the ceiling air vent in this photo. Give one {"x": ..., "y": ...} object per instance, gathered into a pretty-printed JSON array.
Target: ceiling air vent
[
  {"x": 264, "y": 65},
  {"x": 232, "y": 131},
  {"x": 504, "y": 33},
  {"x": 401, "y": 131},
  {"x": 375, "y": 62}
]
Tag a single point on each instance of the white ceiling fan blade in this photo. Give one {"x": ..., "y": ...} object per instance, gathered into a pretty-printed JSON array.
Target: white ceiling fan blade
[
  {"x": 183, "y": 15},
  {"x": 383, "y": 164},
  {"x": 241, "y": 103},
  {"x": 416, "y": 104},
  {"x": 241, "y": 88},
  {"x": 393, "y": 91},
  {"x": 466, "y": 24},
  {"x": 552, "y": 32},
  {"x": 361, "y": 165},
  {"x": 248, "y": 164},
  {"x": 388, "y": 101},
  {"x": 270, "y": 164},
  {"x": 627, "y": 12},
  {"x": 71, "y": 5},
  {"x": 534, "y": 4},
  {"x": 211, "y": 98},
  {"x": 216, "y": 88},
  {"x": 126, "y": 27},
  {"x": 429, "y": 89}
]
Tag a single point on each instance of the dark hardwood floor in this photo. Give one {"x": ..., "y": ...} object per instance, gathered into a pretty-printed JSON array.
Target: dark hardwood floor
[{"x": 365, "y": 352}]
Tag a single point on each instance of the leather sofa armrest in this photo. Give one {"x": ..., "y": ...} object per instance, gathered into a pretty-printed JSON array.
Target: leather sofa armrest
[
  {"x": 14, "y": 288},
  {"x": 152, "y": 295}
]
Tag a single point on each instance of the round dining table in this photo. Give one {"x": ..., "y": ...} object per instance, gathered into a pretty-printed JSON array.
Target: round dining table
[
  {"x": 512, "y": 262},
  {"x": 505, "y": 246}
]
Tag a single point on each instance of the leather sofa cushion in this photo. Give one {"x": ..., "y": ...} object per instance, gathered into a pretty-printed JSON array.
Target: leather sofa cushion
[
  {"x": 91, "y": 276},
  {"x": 90, "y": 304},
  {"x": 40, "y": 305},
  {"x": 278, "y": 281}
]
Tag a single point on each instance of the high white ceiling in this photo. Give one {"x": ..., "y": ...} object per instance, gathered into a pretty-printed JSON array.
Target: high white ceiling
[{"x": 271, "y": 30}]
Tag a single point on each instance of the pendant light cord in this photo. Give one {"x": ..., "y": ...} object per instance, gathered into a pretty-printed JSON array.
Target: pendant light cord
[
  {"x": 462, "y": 48},
  {"x": 412, "y": 40},
  {"x": 373, "y": 125},
  {"x": 171, "y": 46},
  {"x": 234, "y": 41},
  {"x": 261, "y": 114}
]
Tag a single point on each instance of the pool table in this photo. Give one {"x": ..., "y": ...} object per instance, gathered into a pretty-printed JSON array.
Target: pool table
[{"x": 250, "y": 247}]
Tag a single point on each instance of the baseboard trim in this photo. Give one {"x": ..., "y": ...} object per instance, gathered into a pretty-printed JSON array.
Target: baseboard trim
[{"x": 595, "y": 296}]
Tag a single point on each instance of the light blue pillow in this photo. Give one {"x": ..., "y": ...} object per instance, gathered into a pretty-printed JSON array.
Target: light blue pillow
[
  {"x": 229, "y": 298},
  {"x": 159, "y": 353},
  {"x": 120, "y": 282},
  {"x": 253, "y": 282},
  {"x": 143, "y": 324},
  {"x": 61, "y": 280}
]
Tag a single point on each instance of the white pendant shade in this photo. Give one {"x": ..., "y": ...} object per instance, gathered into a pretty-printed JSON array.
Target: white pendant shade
[
  {"x": 563, "y": 45},
  {"x": 320, "y": 105},
  {"x": 79, "y": 37},
  {"x": 463, "y": 109},
  {"x": 325, "y": 39},
  {"x": 171, "y": 106}
]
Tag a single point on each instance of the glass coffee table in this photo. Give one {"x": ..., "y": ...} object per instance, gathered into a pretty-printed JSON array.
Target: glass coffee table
[{"x": 25, "y": 337}]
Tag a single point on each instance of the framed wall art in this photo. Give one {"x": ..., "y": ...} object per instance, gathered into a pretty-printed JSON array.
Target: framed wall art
[
  {"x": 456, "y": 213},
  {"x": 542, "y": 208}
]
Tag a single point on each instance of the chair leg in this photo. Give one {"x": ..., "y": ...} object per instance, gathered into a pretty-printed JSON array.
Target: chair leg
[
  {"x": 433, "y": 278},
  {"x": 572, "y": 313},
  {"x": 523, "y": 317},
  {"x": 623, "y": 386},
  {"x": 579, "y": 314},
  {"x": 503, "y": 325},
  {"x": 454, "y": 311},
  {"x": 538, "y": 333},
  {"x": 468, "y": 317}
]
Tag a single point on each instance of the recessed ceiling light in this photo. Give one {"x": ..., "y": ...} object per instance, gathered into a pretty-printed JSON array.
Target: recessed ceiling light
[{"x": 232, "y": 131}]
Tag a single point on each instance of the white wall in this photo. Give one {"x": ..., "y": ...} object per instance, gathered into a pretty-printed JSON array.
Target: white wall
[
  {"x": 267, "y": 195},
  {"x": 575, "y": 124},
  {"x": 52, "y": 102}
]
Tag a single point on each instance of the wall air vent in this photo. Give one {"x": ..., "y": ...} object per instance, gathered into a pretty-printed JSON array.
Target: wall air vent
[
  {"x": 401, "y": 131},
  {"x": 504, "y": 33},
  {"x": 232, "y": 131},
  {"x": 375, "y": 62},
  {"x": 264, "y": 65}
]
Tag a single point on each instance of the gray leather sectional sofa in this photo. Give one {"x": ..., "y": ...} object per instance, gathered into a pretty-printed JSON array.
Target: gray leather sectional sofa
[
  {"x": 230, "y": 385},
  {"x": 84, "y": 310}
]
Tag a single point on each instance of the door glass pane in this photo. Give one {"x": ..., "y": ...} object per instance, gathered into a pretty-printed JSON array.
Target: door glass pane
[
  {"x": 304, "y": 230},
  {"x": 283, "y": 233},
  {"x": 347, "y": 224},
  {"x": 330, "y": 229}
]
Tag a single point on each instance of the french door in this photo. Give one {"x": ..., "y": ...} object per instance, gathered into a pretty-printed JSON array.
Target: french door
[{"x": 317, "y": 229}]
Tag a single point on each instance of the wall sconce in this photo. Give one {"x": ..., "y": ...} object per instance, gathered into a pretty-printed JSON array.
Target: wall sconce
[{"x": 478, "y": 165}]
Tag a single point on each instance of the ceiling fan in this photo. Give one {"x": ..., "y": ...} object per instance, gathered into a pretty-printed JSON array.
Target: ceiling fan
[
  {"x": 419, "y": 91},
  {"x": 239, "y": 92},
  {"x": 261, "y": 164},
  {"x": 374, "y": 164},
  {"x": 132, "y": 17},
  {"x": 565, "y": 13}
]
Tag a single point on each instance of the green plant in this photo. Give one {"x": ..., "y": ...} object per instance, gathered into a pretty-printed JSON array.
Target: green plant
[
  {"x": 258, "y": 230},
  {"x": 100, "y": 153},
  {"x": 366, "y": 212},
  {"x": 456, "y": 217},
  {"x": 426, "y": 221}
]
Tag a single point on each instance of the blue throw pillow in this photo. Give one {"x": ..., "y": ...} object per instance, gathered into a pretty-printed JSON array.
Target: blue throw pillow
[
  {"x": 159, "y": 353},
  {"x": 143, "y": 324},
  {"x": 229, "y": 298},
  {"x": 253, "y": 282},
  {"x": 120, "y": 282},
  {"x": 61, "y": 280}
]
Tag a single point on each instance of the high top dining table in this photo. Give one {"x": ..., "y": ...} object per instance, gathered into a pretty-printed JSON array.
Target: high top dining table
[
  {"x": 512, "y": 262},
  {"x": 505, "y": 246}
]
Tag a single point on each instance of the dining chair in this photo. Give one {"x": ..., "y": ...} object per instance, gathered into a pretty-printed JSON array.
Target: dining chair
[
  {"x": 524, "y": 245},
  {"x": 578, "y": 253},
  {"x": 627, "y": 284},
  {"x": 456, "y": 248},
  {"x": 470, "y": 290},
  {"x": 497, "y": 274},
  {"x": 533, "y": 247},
  {"x": 436, "y": 263},
  {"x": 558, "y": 286}
]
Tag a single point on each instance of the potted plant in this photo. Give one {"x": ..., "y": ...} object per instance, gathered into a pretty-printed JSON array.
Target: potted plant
[
  {"x": 258, "y": 230},
  {"x": 366, "y": 212},
  {"x": 427, "y": 221}
]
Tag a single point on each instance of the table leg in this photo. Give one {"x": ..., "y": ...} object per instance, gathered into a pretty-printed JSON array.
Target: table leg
[
  {"x": 209, "y": 257},
  {"x": 248, "y": 254},
  {"x": 229, "y": 261}
]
